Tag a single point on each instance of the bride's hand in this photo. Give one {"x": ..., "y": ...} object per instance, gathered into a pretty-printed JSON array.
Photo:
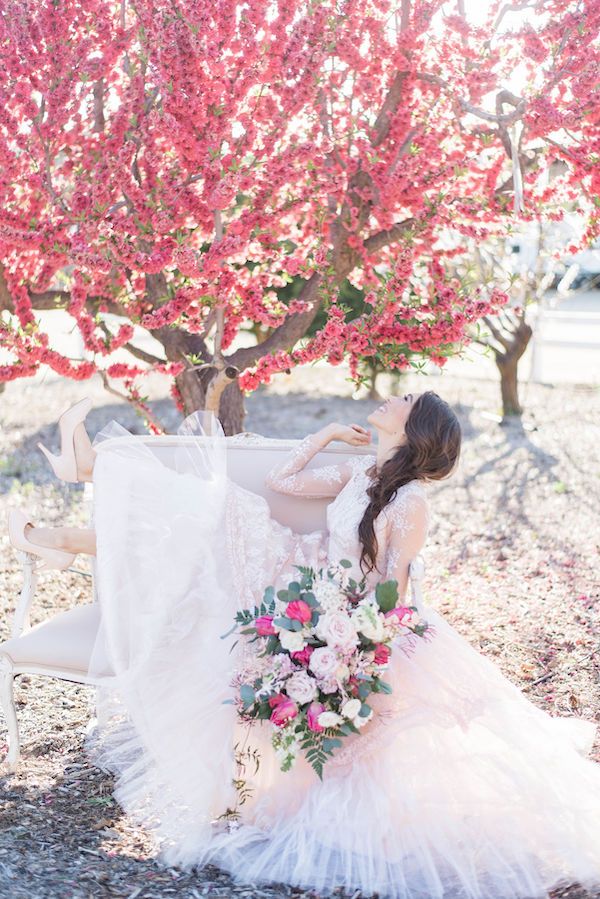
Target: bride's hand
[{"x": 353, "y": 434}]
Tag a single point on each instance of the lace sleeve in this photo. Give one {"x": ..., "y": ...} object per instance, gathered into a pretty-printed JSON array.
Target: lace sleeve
[
  {"x": 327, "y": 480},
  {"x": 408, "y": 523}
]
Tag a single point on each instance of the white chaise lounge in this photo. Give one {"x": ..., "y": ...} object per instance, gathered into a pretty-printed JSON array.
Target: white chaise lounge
[{"x": 61, "y": 645}]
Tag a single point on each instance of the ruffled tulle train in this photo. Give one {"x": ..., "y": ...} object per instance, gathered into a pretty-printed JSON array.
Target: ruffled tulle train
[{"x": 460, "y": 786}]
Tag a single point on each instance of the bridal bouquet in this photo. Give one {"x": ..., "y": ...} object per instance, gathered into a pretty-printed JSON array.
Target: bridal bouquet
[{"x": 317, "y": 651}]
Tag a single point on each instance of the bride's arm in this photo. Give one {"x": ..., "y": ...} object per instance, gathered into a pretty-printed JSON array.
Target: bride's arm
[
  {"x": 408, "y": 522},
  {"x": 327, "y": 480}
]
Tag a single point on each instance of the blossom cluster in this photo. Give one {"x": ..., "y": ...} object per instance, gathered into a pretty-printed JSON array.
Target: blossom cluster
[
  {"x": 314, "y": 654},
  {"x": 326, "y": 138}
]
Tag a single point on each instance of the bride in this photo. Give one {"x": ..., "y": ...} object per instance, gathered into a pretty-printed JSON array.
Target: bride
[{"x": 459, "y": 786}]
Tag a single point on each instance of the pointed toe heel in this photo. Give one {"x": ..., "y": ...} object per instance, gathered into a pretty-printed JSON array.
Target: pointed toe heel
[
  {"x": 63, "y": 467},
  {"x": 65, "y": 464},
  {"x": 51, "y": 558}
]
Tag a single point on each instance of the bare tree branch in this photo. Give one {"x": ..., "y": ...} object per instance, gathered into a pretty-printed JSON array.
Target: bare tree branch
[
  {"x": 328, "y": 131},
  {"x": 496, "y": 333},
  {"x": 99, "y": 120},
  {"x": 224, "y": 374},
  {"x": 289, "y": 331},
  {"x": 389, "y": 235},
  {"x": 497, "y": 117},
  {"x": 142, "y": 355},
  {"x": 389, "y": 108},
  {"x": 49, "y": 300},
  {"x": 498, "y": 351},
  {"x": 131, "y": 401}
]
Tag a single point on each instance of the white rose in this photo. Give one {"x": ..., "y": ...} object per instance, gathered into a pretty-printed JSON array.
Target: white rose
[
  {"x": 330, "y": 719},
  {"x": 293, "y": 641},
  {"x": 368, "y": 620},
  {"x": 329, "y": 596},
  {"x": 337, "y": 629},
  {"x": 351, "y": 708},
  {"x": 301, "y": 687}
]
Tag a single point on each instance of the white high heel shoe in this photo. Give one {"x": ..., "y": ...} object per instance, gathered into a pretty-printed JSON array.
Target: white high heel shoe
[
  {"x": 65, "y": 465},
  {"x": 52, "y": 558}
]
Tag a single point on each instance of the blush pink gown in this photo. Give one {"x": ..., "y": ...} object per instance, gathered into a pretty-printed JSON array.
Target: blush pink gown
[{"x": 459, "y": 786}]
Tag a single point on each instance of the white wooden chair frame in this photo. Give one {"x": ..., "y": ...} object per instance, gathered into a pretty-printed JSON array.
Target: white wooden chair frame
[{"x": 16, "y": 659}]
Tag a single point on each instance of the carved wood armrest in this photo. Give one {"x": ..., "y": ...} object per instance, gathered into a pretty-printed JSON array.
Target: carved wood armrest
[
  {"x": 416, "y": 571},
  {"x": 21, "y": 621}
]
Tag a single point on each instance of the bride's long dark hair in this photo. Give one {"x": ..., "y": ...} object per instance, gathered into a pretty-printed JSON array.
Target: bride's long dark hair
[{"x": 431, "y": 452}]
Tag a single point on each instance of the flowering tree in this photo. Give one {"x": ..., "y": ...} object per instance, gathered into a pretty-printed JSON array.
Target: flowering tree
[{"x": 175, "y": 162}]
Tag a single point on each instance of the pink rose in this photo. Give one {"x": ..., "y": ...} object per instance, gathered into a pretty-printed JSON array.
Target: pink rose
[
  {"x": 303, "y": 656},
  {"x": 382, "y": 654},
  {"x": 283, "y": 709},
  {"x": 399, "y": 612},
  {"x": 264, "y": 626},
  {"x": 312, "y": 716},
  {"x": 298, "y": 610}
]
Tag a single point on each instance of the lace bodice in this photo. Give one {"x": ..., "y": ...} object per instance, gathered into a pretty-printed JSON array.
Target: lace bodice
[
  {"x": 401, "y": 528},
  {"x": 345, "y": 512}
]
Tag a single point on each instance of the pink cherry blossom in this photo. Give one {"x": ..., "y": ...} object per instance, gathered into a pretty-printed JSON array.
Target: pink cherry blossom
[{"x": 169, "y": 168}]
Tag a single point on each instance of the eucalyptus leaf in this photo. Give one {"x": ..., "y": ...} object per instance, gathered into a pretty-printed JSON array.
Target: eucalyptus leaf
[
  {"x": 386, "y": 595},
  {"x": 247, "y": 695}
]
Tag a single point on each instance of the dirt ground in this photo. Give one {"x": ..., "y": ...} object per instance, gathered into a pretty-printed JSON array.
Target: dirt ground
[{"x": 511, "y": 561}]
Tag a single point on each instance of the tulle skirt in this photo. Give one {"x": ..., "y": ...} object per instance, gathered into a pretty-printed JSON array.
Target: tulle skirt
[{"x": 459, "y": 787}]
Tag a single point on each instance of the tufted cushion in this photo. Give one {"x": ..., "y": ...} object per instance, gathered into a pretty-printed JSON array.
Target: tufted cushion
[{"x": 63, "y": 642}]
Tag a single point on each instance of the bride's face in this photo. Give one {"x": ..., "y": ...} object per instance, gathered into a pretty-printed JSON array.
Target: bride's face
[{"x": 391, "y": 416}]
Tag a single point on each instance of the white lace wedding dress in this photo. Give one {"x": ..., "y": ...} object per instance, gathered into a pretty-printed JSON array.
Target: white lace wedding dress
[{"x": 458, "y": 787}]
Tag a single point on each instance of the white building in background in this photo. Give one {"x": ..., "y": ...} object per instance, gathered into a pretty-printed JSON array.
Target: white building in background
[{"x": 545, "y": 246}]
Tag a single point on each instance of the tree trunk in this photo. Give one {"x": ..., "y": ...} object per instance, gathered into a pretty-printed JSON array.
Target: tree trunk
[
  {"x": 514, "y": 344},
  {"x": 509, "y": 385},
  {"x": 193, "y": 386}
]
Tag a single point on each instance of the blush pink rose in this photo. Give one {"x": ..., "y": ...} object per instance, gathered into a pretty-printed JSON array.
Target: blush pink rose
[
  {"x": 303, "y": 656},
  {"x": 298, "y": 610},
  {"x": 312, "y": 716},
  {"x": 382, "y": 654},
  {"x": 323, "y": 662},
  {"x": 264, "y": 626},
  {"x": 283, "y": 709}
]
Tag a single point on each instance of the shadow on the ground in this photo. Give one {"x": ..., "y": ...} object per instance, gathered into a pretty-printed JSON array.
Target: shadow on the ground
[
  {"x": 26, "y": 464},
  {"x": 67, "y": 838},
  {"x": 67, "y": 842}
]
